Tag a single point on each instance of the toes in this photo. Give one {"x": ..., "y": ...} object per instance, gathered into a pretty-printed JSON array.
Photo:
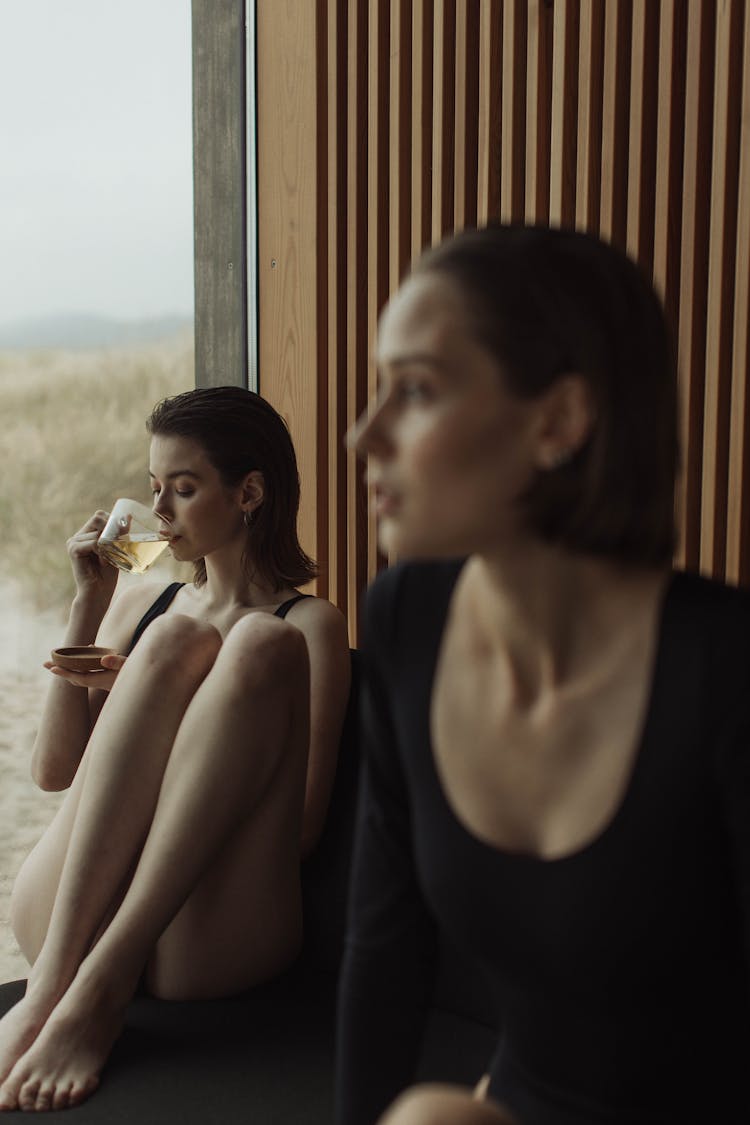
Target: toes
[
  {"x": 82, "y": 1090},
  {"x": 8, "y": 1095},
  {"x": 27, "y": 1095},
  {"x": 61, "y": 1099},
  {"x": 44, "y": 1097},
  {"x": 8, "y": 1101}
]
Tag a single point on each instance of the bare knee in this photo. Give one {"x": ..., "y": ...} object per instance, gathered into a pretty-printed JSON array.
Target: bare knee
[
  {"x": 263, "y": 655},
  {"x": 178, "y": 643}
]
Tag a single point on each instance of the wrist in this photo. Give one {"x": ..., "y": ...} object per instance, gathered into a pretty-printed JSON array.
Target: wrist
[{"x": 86, "y": 615}]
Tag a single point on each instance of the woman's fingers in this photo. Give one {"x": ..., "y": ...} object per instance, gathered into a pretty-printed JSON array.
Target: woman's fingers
[
  {"x": 96, "y": 522},
  {"x": 103, "y": 680},
  {"x": 84, "y": 539},
  {"x": 91, "y": 572},
  {"x": 481, "y": 1088}
]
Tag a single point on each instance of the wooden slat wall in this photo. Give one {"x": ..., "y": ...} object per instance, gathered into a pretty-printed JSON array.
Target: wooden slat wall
[{"x": 629, "y": 118}]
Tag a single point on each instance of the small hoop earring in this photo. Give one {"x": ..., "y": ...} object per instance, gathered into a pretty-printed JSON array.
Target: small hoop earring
[
  {"x": 248, "y": 518},
  {"x": 557, "y": 460}
]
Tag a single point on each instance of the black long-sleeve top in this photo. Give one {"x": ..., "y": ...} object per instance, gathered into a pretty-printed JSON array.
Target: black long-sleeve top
[{"x": 622, "y": 967}]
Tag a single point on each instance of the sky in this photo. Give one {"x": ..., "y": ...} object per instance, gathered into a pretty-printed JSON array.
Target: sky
[{"x": 95, "y": 158}]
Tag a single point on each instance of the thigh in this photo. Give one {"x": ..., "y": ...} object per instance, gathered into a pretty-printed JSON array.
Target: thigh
[
  {"x": 436, "y": 1104},
  {"x": 242, "y": 921},
  {"x": 36, "y": 884}
]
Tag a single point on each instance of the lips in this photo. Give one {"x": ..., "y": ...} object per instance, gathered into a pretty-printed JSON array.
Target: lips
[{"x": 385, "y": 500}]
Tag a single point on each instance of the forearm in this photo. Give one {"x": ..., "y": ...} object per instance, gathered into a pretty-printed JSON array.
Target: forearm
[
  {"x": 65, "y": 724},
  {"x": 380, "y": 1027}
]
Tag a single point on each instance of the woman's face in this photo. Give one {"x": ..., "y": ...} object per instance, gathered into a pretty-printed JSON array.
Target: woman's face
[
  {"x": 449, "y": 448},
  {"x": 201, "y": 515}
]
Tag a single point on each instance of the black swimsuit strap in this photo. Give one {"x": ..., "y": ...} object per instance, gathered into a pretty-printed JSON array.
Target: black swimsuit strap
[
  {"x": 167, "y": 596},
  {"x": 155, "y": 610},
  {"x": 284, "y": 608}
]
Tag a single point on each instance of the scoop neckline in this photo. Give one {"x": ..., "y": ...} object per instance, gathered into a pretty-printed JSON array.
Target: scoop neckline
[{"x": 602, "y": 836}]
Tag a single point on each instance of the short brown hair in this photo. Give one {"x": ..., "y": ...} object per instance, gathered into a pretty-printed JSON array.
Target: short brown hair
[
  {"x": 241, "y": 432},
  {"x": 547, "y": 302}
]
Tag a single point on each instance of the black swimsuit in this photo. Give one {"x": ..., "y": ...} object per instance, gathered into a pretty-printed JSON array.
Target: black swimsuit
[{"x": 165, "y": 599}]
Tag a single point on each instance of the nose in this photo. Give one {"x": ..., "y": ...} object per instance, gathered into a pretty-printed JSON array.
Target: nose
[
  {"x": 367, "y": 435},
  {"x": 159, "y": 509}
]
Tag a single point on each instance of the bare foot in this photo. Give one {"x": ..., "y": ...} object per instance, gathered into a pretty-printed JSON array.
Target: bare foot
[
  {"x": 62, "y": 1065},
  {"x": 20, "y": 1026}
]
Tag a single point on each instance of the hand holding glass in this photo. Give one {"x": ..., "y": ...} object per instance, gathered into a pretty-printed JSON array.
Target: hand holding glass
[{"x": 133, "y": 537}]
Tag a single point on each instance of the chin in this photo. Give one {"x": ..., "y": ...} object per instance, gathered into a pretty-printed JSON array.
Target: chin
[
  {"x": 416, "y": 548},
  {"x": 434, "y": 542},
  {"x": 180, "y": 555}
]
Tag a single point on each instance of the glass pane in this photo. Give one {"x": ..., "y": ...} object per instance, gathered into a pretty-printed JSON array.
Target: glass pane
[{"x": 96, "y": 321}]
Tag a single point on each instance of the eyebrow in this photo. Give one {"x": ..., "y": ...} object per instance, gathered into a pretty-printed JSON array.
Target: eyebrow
[
  {"x": 423, "y": 358},
  {"x": 179, "y": 473}
]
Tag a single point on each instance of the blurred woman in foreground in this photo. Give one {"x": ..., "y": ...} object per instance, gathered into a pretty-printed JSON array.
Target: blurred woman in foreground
[{"x": 558, "y": 770}]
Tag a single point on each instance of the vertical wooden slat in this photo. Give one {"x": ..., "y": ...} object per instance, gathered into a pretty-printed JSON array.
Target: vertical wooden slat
[
  {"x": 421, "y": 126},
  {"x": 590, "y": 108},
  {"x": 399, "y": 192},
  {"x": 564, "y": 114},
  {"x": 356, "y": 303},
  {"x": 642, "y": 133},
  {"x": 615, "y": 111},
  {"x": 738, "y": 504},
  {"x": 333, "y": 61},
  {"x": 467, "y": 116},
  {"x": 326, "y": 476},
  {"x": 701, "y": 15},
  {"x": 670, "y": 141},
  {"x": 443, "y": 116},
  {"x": 288, "y": 246},
  {"x": 513, "y": 166},
  {"x": 489, "y": 116},
  {"x": 721, "y": 272},
  {"x": 378, "y": 232},
  {"x": 538, "y": 103}
]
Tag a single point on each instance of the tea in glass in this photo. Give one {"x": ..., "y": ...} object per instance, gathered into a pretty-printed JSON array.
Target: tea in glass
[{"x": 132, "y": 538}]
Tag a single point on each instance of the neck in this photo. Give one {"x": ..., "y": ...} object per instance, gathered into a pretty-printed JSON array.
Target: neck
[
  {"x": 227, "y": 582},
  {"x": 553, "y": 614}
]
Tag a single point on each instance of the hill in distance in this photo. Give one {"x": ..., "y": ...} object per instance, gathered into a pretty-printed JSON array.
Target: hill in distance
[{"x": 83, "y": 332}]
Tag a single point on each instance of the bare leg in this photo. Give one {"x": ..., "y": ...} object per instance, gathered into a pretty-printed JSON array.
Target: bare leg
[
  {"x": 65, "y": 891},
  {"x": 242, "y": 740},
  {"x": 444, "y": 1105}
]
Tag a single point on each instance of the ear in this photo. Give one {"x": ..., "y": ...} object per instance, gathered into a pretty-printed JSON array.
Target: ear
[
  {"x": 253, "y": 491},
  {"x": 567, "y": 418}
]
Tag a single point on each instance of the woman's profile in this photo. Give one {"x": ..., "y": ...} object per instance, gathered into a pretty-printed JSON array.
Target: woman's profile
[
  {"x": 198, "y": 763},
  {"x": 557, "y": 722}
]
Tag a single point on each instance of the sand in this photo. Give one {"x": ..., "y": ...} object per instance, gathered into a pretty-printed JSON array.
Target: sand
[{"x": 26, "y": 638}]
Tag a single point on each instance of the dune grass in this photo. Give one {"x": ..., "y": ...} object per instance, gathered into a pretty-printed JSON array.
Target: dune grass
[{"x": 73, "y": 439}]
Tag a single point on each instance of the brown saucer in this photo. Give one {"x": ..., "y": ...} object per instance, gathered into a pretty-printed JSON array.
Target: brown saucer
[{"x": 81, "y": 658}]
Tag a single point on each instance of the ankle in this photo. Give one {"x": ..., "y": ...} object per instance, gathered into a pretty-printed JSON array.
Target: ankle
[{"x": 110, "y": 986}]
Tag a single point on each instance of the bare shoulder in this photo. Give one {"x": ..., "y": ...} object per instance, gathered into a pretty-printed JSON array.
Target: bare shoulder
[
  {"x": 126, "y": 609},
  {"x": 320, "y": 619},
  {"x": 326, "y": 634}
]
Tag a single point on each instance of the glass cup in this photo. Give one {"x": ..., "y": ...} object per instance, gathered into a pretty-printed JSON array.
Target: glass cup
[{"x": 132, "y": 538}]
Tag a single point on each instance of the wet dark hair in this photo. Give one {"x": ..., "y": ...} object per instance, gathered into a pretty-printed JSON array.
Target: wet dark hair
[
  {"x": 241, "y": 432},
  {"x": 545, "y": 303}
]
